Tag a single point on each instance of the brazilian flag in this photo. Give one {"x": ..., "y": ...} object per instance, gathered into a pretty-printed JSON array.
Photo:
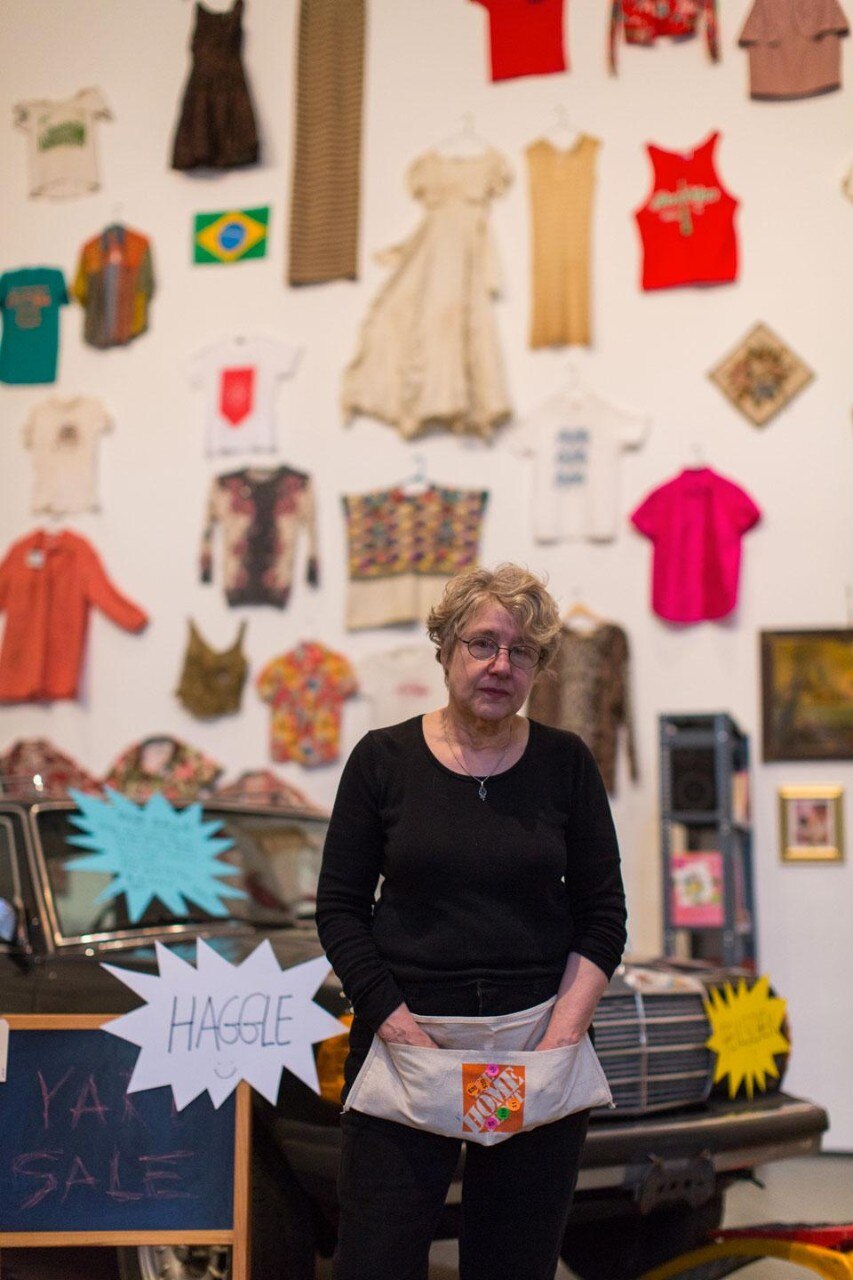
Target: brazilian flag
[{"x": 231, "y": 236}]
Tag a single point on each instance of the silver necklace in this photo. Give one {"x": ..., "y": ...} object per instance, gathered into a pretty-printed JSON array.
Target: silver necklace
[{"x": 481, "y": 792}]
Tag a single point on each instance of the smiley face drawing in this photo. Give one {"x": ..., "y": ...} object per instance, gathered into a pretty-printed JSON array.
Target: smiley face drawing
[{"x": 225, "y": 1069}]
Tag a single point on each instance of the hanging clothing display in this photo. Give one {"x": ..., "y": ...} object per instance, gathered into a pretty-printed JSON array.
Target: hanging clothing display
[
  {"x": 401, "y": 683},
  {"x": 404, "y": 546},
  {"x": 261, "y": 511},
  {"x": 30, "y": 298},
  {"x": 48, "y": 584},
  {"x": 33, "y": 768},
  {"x": 794, "y": 47},
  {"x": 262, "y": 787},
  {"x": 164, "y": 765},
  {"x": 306, "y": 688},
  {"x": 326, "y": 193},
  {"x": 526, "y": 37},
  {"x": 588, "y": 691},
  {"x": 428, "y": 353},
  {"x": 61, "y": 152},
  {"x": 114, "y": 284},
  {"x": 562, "y": 183},
  {"x": 575, "y": 440},
  {"x": 62, "y": 435},
  {"x": 212, "y": 680},
  {"x": 696, "y": 522},
  {"x": 238, "y": 377},
  {"x": 216, "y": 127},
  {"x": 644, "y": 22},
  {"x": 687, "y": 223}
]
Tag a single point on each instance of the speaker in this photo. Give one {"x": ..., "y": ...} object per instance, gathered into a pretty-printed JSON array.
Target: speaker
[{"x": 693, "y": 783}]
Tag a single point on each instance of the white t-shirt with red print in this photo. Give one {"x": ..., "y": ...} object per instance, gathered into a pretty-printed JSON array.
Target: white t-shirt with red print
[{"x": 238, "y": 377}]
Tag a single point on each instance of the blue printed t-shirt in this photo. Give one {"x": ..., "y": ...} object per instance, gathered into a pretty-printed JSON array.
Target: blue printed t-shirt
[{"x": 30, "y": 299}]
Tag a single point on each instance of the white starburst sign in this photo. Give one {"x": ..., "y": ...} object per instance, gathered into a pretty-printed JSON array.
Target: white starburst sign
[{"x": 211, "y": 1026}]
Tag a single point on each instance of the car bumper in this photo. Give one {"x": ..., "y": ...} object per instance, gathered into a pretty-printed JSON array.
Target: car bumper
[{"x": 651, "y": 1161}]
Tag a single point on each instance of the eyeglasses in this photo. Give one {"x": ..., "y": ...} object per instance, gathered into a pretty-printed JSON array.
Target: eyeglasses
[{"x": 523, "y": 656}]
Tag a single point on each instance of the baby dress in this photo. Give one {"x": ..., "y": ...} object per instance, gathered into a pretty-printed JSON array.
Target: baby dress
[
  {"x": 216, "y": 128},
  {"x": 429, "y": 354}
]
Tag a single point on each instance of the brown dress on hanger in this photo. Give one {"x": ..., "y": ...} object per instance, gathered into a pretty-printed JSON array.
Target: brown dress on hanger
[
  {"x": 217, "y": 128},
  {"x": 211, "y": 682}
]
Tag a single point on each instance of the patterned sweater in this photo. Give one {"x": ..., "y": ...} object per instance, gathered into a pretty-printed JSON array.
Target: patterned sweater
[{"x": 260, "y": 510}]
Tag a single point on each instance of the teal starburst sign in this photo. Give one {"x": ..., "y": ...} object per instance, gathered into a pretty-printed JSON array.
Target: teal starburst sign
[{"x": 153, "y": 851}]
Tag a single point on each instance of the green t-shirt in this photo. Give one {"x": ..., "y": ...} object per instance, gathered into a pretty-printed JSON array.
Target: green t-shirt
[{"x": 30, "y": 299}]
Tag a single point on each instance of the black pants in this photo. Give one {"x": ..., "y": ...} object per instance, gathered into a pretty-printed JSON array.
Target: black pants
[{"x": 394, "y": 1178}]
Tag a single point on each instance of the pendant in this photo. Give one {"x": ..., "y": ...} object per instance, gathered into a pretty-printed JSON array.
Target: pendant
[{"x": 482, "y": 791}]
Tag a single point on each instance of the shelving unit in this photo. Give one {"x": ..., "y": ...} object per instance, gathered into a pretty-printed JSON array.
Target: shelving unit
[{"x": 706, "y": 840}]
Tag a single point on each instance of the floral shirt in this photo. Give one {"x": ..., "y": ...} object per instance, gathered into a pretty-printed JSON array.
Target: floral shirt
[
  {"x": 306, "y": 688},
  {"x": 181, "y": 773},
  {"x": 34, "y": 768}
]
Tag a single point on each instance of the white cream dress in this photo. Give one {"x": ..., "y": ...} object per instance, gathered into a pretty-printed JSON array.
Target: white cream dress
[{"x": 428, "y": 353}]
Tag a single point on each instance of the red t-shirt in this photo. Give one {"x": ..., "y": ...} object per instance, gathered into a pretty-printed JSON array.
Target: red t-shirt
[
  {"x": 687, "y": 223},
  {"x": 525, "y": 37}
]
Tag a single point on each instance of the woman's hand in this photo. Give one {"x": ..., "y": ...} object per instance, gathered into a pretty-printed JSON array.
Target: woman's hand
[
  {"x": 553, "y": 1040},
  {"x": 400, "y": 1028},
  {"x": 581, "y": 988}
]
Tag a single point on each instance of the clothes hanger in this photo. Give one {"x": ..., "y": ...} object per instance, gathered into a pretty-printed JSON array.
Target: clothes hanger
[
  {"x": 580, "y": 612},
  {"x": 563, "y": 132},
  {"x": 417, "y": 482},
  {"x": 465, "y": 142},
  {"x": 697, "y": 457}
]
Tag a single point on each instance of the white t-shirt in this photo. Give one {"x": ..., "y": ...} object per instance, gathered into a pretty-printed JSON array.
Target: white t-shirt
[
  {"x": 63, "y": 437},
  {"x": 61, "y": 150},
  {"x": 238, "y": 377},
  {"x": 401, "y": 683},
  {"x": 575, "y": 439}
]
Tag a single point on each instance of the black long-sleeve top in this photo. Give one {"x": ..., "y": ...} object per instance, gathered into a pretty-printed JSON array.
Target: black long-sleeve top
[{"x": 501, "y": 888}]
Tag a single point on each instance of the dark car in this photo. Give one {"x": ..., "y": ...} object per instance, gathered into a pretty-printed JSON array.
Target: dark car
[{"x": 654, "y": 1171}]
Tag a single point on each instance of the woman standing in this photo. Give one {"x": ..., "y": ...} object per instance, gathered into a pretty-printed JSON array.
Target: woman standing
[{"x": 501, "y": 893}]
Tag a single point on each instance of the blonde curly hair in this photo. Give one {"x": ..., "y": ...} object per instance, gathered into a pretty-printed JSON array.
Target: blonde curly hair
[{"x": 523, "y": 595}]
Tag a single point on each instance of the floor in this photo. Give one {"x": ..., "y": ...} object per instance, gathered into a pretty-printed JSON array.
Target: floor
[{"x": 818, "y": 1189}]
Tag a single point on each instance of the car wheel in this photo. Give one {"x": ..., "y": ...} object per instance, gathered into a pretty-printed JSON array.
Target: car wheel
[
  {"x": 174, "y": 1262},
  {"x": 626, "y": 1245}
]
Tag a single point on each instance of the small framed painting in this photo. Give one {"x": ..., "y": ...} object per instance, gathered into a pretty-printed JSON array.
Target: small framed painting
[
  {"x": 807, "y": 695},
  {"x": 811, "y": 823},
  {"x": 761, "y": 375}
]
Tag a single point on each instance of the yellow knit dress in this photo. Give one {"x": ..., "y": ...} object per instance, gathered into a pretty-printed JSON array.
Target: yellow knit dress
[{"x": 562, "y": 184}]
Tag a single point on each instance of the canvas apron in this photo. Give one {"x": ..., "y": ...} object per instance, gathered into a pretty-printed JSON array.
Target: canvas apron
[{"x": 484, "y": 1083}]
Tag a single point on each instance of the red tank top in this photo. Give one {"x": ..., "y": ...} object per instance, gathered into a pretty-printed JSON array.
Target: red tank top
[{"x": 687, "y": 223}]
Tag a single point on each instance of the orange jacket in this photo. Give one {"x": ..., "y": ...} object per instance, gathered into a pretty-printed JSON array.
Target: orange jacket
[{"x": 48, "y": 581}]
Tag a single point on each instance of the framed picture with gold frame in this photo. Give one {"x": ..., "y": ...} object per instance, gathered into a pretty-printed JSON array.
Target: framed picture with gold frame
[
  {"x": 807, "y": 694},
  {"x": 811, "y": 823}
]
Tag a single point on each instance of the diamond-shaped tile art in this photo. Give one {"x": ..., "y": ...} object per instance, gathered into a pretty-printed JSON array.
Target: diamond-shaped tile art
[{"x": 761, "y": 375}]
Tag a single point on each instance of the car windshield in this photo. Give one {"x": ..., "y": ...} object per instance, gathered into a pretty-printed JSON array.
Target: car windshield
[{"x": 275, "y": 860}]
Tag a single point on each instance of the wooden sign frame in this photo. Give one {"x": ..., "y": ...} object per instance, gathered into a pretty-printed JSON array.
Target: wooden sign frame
[{"x": 238, "y": 1237}]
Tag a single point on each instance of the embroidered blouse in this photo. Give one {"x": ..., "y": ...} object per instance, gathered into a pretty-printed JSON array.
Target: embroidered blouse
[
  {"x": 404, "y": 546},
  {"x": 260, "y": 510}
]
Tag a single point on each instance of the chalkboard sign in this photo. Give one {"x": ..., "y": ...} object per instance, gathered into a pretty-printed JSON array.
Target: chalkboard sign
[{"x": 80, "y": 1158}]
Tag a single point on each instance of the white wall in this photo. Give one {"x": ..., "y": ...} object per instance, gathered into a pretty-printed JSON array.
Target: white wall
[{"x": 426, "y": 66}]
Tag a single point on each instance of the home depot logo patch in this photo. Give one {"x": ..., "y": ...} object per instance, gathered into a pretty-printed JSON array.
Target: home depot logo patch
[{"x": 492, "y": 1097}]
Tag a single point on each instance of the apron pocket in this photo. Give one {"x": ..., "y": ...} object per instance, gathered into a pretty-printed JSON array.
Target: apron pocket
[{"x": 476, "y": 1095}]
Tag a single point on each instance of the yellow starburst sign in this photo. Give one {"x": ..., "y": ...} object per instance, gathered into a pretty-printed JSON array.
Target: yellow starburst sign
[{"x": 746, "y": 1027}]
